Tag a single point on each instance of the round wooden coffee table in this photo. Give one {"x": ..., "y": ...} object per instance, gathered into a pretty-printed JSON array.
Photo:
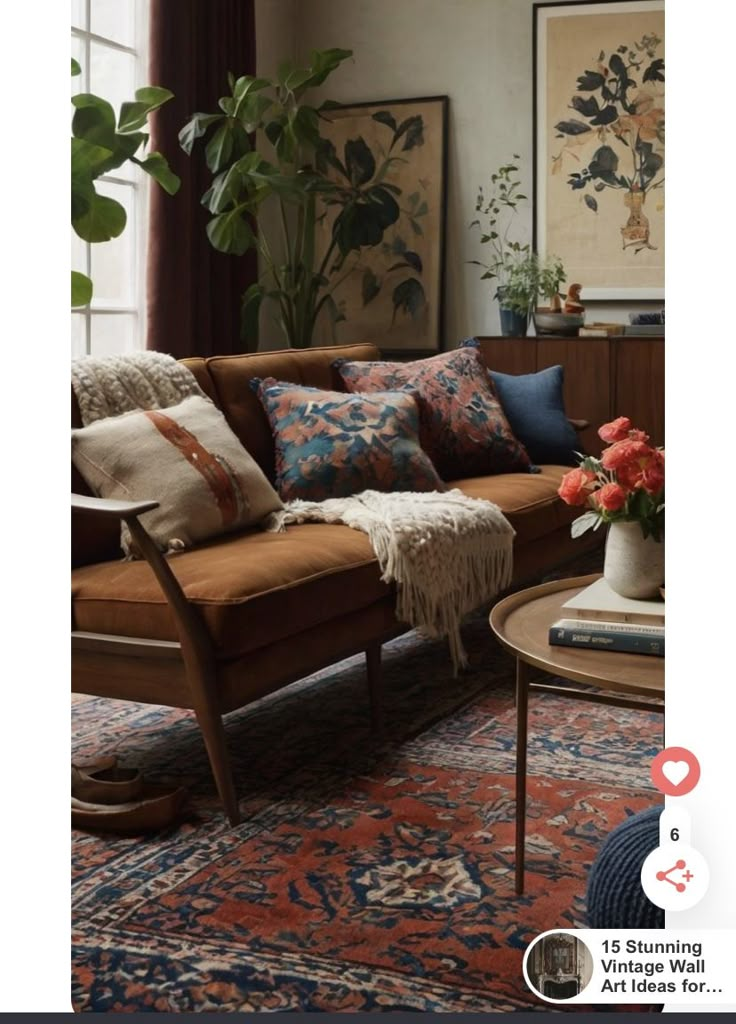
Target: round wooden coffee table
[{"x": 521, "y": 622}]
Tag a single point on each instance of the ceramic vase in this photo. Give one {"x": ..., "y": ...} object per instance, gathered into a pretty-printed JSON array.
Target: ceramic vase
[
  {"x": 513, "y": 324},
  {"x": 634, "y": 566}
]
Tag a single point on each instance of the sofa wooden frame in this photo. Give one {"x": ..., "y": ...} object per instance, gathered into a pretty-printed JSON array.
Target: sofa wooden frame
[{"x": 181, "y": 674}]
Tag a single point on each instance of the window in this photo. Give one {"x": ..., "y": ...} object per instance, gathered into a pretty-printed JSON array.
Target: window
[{"x": 109, "y": 42}]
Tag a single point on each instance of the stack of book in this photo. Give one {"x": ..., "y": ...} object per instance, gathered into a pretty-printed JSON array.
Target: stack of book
[{"x": 599, "y": 619}]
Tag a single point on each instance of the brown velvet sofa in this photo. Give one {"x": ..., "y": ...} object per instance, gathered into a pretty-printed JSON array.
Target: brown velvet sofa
[{"x": 218, "y": 626}]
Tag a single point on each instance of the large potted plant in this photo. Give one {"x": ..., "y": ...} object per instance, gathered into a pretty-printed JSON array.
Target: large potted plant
[
  {"x": 623, "y": 489},
  {"x": 267, "y": 156},
  {"x": 102, "y": 142}
]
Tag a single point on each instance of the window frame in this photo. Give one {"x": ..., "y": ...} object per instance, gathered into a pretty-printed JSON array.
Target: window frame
[{"x": 129, "y": 176}]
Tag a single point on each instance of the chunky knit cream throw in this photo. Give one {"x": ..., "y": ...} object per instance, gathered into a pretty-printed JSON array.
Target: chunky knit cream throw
[
  {"x": 447, "y": 553},
  {"x": 111, "y": 385}
]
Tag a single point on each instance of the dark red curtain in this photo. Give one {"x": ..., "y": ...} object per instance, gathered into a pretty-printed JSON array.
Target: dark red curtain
[{"x": 193, "y": 292}]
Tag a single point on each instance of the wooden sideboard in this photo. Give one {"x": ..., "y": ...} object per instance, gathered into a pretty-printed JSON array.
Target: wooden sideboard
[{"x": 604, "y": 377}]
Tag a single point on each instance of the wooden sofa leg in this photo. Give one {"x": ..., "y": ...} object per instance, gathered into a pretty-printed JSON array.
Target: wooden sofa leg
[
  {"x": 375, "y": 687},
  {"x": 215, "y": 740}
]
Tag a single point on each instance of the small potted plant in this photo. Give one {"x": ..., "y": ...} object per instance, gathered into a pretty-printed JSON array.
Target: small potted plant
[
  {"x": 624, "y": 488},
  {"x": 518, "y": 271}
]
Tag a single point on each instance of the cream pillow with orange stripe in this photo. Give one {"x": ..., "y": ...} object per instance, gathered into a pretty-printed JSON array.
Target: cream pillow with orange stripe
[{"x": 188, "y": 459}]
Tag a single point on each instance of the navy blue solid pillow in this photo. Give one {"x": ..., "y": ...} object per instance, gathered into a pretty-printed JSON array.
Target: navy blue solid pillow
[{"x": 535, "y": 409}]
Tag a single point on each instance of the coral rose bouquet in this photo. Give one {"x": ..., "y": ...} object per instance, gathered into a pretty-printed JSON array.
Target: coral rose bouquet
[{"x": 626, "y": 484}]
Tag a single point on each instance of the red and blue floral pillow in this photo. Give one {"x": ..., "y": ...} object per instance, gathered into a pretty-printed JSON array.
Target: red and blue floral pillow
[
  {"x": 330, "y": 444},
  {"x": 464, "y": 428}
]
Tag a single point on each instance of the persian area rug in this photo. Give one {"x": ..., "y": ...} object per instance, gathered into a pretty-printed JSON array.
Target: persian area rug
[{"x": 365, "y": 877}]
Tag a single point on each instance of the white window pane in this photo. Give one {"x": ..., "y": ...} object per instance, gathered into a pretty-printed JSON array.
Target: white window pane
[
  {"x": 114, "y": 19},
  {"x": 78, "y": 13},
  {"x": 79, "y": 253},
  {"x": 114, "y": 333},
  {"x": 78, "y": 55},
  {"x": 79, "y": 341},
  {"x": 112, "y": 75},
  {"x": 114, "y": 262}
]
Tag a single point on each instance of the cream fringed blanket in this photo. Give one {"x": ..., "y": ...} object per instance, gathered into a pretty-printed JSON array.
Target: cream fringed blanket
[
  {"x": 111, "y": 385},
  {"x": 447, "y": 553}
]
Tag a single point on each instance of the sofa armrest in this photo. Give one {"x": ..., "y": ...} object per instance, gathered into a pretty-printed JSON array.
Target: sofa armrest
[
  {"x": 579, "y": 425},
  {"x": 193, "y": 637},
  {"x": 110, "y": 508}
]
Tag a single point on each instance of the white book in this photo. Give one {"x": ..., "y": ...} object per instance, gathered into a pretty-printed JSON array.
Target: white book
[
  {"x": 598, "y": 601},
  {"x": 601, "y": 626}
]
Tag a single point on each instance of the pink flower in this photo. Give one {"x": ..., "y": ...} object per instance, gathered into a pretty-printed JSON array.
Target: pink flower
[
  {"x": 611, "y": 497},
  {"x": 625, "y": 452},
  {"x": 575, "y": 486},
  {"x": 617, "y": 430},
  {"x": 652, "y": 479}
]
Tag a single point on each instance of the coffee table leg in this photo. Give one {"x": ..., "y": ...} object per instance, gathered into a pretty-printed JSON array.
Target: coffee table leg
[{"x": 522, "y": 706}]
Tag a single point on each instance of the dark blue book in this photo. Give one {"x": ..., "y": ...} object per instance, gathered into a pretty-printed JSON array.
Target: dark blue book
[{"x": 608, "y": 636}]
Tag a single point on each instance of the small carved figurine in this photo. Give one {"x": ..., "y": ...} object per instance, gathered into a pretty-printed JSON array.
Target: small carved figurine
[{"x": 572, "y": 302}]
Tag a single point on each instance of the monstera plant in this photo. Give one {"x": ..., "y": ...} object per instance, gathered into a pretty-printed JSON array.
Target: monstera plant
[
  {"x": 100, "y": 144},
  {"x": 266, "y": 153}
]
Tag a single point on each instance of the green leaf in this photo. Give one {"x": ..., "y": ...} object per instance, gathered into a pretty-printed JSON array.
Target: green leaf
[
  {"x": 76, "y": 69},
  {"x": 220, "y": 147},
  {"x": 133, "y": 116},
  {"x": 105, "y": 219},
  {"x": 89, "y": 159},
  {"x": 231, "y": 232},
  {"x": 305, "y": 125},
  {"x": 81, "y": 290},
  {"x": 94, "y": 120},
  {"x": 250, "y": 113},
  {"x": 157, "y": 166},
  {"x": 244, "y": 86},
  {"x": 250, "y": 306},
  {"x": 324, "y": 62},
  {"x": 195, "y": 129}
]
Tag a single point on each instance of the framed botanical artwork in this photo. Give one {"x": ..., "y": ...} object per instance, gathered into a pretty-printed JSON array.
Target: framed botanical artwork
[
  {"x": 599, "y": 144},
  {"x": 391, "y": 293}
]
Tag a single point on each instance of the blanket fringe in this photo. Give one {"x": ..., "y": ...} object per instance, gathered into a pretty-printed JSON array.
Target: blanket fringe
[{"x": 447, "y": 553}]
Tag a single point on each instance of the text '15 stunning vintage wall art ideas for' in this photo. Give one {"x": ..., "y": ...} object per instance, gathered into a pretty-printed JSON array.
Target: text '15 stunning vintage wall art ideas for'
[
  {"x": 599, "y": 144},
  {"x": 396, "y": 152}
]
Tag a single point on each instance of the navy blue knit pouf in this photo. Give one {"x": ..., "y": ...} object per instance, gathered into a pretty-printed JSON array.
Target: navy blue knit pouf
[{"x": 615, "y": 898}]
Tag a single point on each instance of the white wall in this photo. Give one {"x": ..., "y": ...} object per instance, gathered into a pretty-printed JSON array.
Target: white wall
[{"x": 477, "y": 52}]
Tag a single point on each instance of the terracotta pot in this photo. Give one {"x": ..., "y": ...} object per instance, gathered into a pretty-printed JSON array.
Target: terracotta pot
[{"x": 634, "y": 566}]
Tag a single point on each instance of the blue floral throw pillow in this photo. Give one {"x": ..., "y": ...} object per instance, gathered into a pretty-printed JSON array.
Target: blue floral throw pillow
[{"x": 331, "y": 445}]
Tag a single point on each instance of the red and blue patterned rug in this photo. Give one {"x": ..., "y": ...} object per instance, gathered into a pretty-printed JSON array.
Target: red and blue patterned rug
[{"x": 365, "y": 877}]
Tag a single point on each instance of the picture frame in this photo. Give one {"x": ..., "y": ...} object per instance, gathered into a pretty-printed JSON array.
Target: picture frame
[
  {"x": 394, "y": 297},
  {"x": 598, "y": 114}
]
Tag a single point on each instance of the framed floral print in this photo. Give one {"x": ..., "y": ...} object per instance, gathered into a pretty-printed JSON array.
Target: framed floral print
[
  {"x": 391, "y": 293},
  {"x": 599, "y": 113}
]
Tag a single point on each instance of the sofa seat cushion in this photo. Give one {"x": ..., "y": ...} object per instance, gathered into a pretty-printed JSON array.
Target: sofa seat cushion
[
  {"x": 252, "y": 588},
  {"x": 529, "y": 501}
]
